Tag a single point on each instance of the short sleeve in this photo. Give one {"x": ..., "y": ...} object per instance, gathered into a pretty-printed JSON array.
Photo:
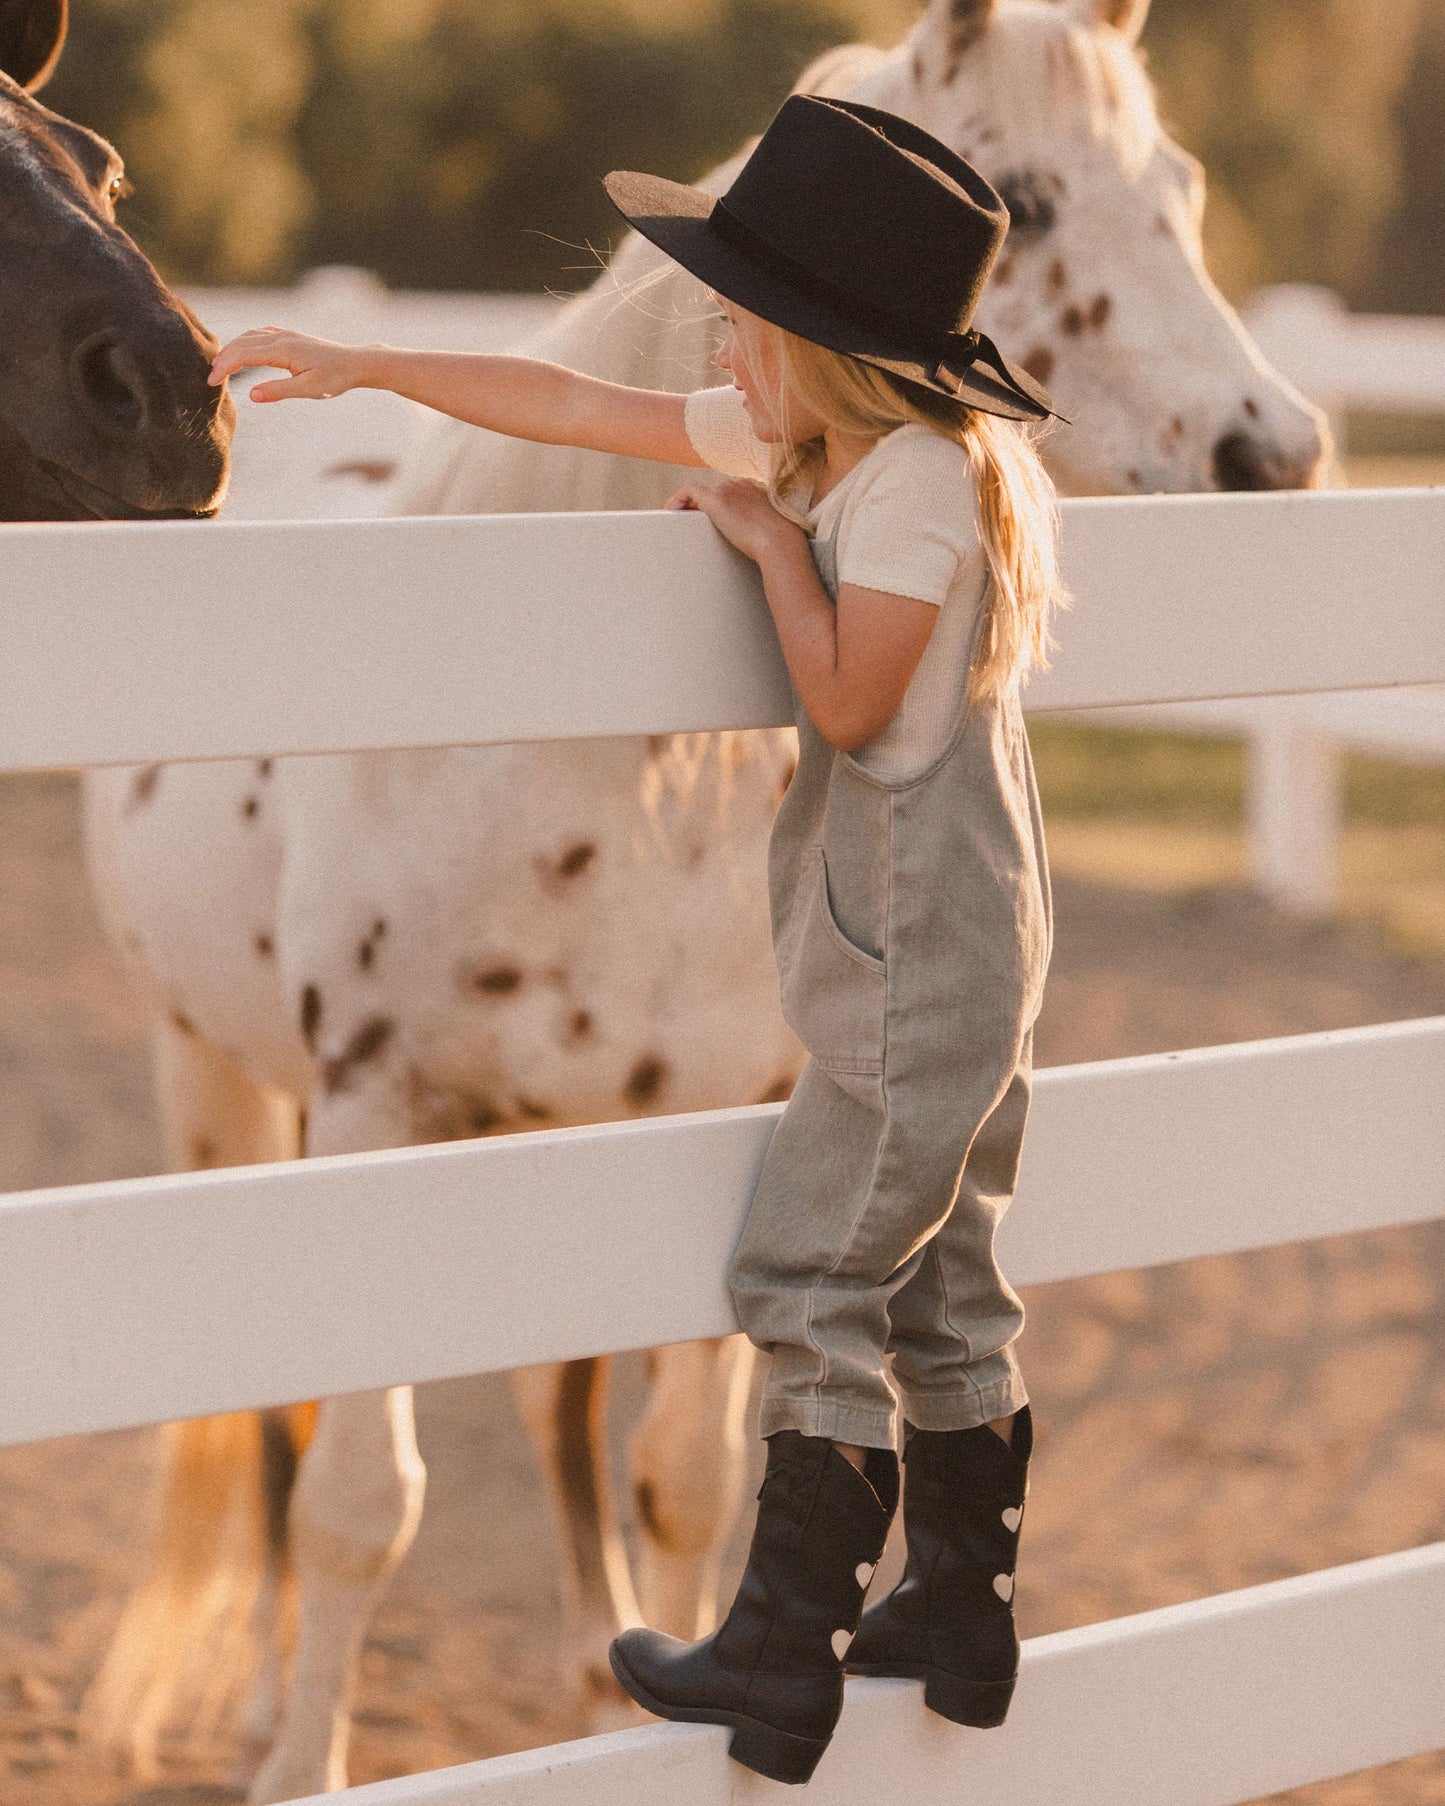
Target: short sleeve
[
  {"x": 722, "y": 436},
  {"x": 914, "y": 521}
]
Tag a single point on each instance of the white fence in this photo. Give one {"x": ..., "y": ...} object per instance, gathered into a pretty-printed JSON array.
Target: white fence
[
  {"x": 130, "y": 1302},
  {"x": 1294, "y": 780},
  {"x": 337, "y": 463}
]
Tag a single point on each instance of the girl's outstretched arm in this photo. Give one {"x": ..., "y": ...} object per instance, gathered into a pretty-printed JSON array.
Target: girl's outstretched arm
[{"x": 522, "y": 396}]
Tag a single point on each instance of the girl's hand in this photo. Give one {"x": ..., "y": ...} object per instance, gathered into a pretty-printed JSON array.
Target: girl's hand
[
  {"x": 319, "y": 369},
  {"x": 742, "y": 513}
]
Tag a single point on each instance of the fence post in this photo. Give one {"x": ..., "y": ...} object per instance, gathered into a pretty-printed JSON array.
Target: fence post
[{"x": 1292, "y": 809}]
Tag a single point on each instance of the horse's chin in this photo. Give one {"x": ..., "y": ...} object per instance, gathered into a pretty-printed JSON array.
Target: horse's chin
[{"x": 90, "y": 502}]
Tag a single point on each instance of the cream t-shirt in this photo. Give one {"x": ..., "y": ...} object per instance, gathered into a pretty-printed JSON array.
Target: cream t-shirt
[{"x": 907, "y": 522}]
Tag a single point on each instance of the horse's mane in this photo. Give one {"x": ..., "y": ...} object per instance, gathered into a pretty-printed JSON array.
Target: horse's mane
[{"x": 1057, "y": 75}]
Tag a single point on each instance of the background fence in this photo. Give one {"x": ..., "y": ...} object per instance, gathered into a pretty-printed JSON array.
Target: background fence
[{"x": 139, "y": 1300}]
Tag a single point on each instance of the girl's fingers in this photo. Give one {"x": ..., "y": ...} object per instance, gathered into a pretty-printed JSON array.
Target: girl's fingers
[{"x": 301, "y": 387}]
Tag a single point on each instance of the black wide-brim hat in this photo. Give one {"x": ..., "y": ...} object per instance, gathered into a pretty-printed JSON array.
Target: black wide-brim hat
[{"x": 858, "y": 230}]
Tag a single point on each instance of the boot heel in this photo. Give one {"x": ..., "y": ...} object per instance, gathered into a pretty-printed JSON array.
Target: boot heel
[
  {"x": 777, "y": 1754},
  {"x": 982, "y": 1704}
]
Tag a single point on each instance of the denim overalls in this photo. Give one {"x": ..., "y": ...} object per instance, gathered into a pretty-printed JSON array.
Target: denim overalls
[{"x": 911, "y": 924}]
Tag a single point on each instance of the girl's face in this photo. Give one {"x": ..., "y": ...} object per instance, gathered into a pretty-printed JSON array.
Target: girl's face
[{"x": 751, "y": 355}]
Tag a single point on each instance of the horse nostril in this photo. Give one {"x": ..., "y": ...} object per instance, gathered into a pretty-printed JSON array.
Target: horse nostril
[
  {"x": 109, "y": 383},
  {"x": 1243, "y": 462}
]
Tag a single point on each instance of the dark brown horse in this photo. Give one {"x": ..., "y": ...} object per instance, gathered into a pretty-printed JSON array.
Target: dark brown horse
[{"x": 105, "y": 412}]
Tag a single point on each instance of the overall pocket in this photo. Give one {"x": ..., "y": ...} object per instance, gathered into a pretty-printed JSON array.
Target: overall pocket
[{"x": 834, "y": 992}]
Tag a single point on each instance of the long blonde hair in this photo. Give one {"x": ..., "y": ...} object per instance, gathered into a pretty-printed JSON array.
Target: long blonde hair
[{"x": 1017, "y": 507}]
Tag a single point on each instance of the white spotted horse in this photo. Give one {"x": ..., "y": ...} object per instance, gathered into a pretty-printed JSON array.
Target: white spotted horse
[{"x": 375, "y": 950}]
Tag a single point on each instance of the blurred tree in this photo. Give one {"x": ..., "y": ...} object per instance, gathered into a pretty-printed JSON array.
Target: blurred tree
[
  {"x": 1289, "y": 104},
  {"x": 460, "y": 142},
  {"x": 464, "y": 148},
  {"x": 1409, "y": 275},
  {"x": 202, "y": 99}
]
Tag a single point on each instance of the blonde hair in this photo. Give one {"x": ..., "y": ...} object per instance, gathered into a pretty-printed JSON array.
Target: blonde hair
[{"x": 1017, "y": 508}]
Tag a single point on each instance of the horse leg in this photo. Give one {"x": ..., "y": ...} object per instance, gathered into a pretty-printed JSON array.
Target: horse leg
[
  {"x": 184, "y": 1645},
  {"x": 285, "y": 1434},
  {"x": 563, "y": 1406},
  {"x": 354, "y": 1512},
  {"x": 688, "y": 1464}
]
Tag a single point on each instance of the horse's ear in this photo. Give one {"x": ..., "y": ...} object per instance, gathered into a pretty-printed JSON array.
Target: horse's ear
[
  {"x": 1127, "y": 16},
  {"x": 32, "y": 33},
  {"x": 956, "y": 26}
]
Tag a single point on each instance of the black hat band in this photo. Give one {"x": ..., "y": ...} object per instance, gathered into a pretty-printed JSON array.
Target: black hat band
[{"x": 738, "y": 235}]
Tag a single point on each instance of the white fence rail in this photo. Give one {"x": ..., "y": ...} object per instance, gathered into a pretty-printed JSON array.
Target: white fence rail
[
  {"x": 145, "y": 1299},
  {"x": 337, "y": 463},
  {"x": 131, "y": 644},
  {"x": 128, "y": 1302},
  {"x": 1342, "y": 361}
]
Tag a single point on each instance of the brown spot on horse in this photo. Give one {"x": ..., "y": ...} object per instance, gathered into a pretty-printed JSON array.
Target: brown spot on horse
[
  {"x": 576, "y": 859},
  {"x": 250, "y": 808},
  {"x": 1099, "y": 310},
  {"x": 1071, "y": 322},
  {"x": 366, "y": 1042},
  {"x": 310, "y": 1015},
  {"x": 497, "y": 981},
  {"x": 580, "y": 1026},
  {"x": 143, "y": 785},
  {"x": 264, "y": 946},
  {"x": 645, "y": 1080},
  {"x": 1040, "y": 363}
]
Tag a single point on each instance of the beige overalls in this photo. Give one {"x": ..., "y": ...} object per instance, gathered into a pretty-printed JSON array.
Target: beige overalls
[{"x": 911, "y": 924}]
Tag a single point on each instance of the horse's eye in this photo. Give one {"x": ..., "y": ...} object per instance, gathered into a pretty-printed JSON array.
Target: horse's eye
[
  {"x": 118, "y": 187},
  {"x": 1030, "y": 208}
]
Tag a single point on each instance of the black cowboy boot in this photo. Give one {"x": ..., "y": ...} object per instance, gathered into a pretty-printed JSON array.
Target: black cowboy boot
[
  {"x": 774, "y": 1669},
  {"x": 949, "y": 1621}
]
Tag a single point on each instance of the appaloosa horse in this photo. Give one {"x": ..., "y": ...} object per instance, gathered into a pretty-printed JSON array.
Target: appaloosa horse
[
  {"x": 402, "y": 947},
  {"x": 105, "y": 412}
]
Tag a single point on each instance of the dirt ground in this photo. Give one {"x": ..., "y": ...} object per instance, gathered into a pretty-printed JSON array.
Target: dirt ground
[{"x": 1201, "y": 1427}]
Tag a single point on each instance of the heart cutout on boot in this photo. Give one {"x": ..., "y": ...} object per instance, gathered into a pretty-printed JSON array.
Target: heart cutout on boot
[
  {"x": 863, "y": 1573},
  {"x": 1003, "y": 1585},
  {"x": 840, "y": 1640},
  {"x": 1013, "y": 1517}
]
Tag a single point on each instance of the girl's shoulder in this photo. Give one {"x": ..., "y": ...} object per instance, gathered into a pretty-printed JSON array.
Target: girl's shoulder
[
  {"x": 924, "y": 477},
  {"x": 916, "y": 452},
  {"x": 910, "y": 522}
]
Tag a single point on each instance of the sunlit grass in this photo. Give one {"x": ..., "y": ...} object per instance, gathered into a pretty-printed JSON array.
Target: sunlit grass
[{"x": 1165, "y": 812}]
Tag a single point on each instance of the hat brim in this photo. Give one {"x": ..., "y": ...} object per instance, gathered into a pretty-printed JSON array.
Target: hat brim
[{"x": 678, "y": 220}]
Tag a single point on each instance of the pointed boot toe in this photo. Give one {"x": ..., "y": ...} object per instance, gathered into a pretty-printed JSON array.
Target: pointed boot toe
[{"x": 773, "y": 1672}]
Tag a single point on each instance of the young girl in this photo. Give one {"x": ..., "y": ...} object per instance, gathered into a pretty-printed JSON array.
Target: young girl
[{"x": 904, "y": 531}]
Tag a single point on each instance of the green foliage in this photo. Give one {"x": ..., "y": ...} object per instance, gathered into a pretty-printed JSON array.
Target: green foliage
[
  {"x": 1409, "y": 275},
  {"x": 460, "y": 143},
  {"x": 1089, "y": 773},
  {"x": 442, "y": 143},
  {"x": 1197, "y": 780},
  {"x": 468, "y": 156},
  {"x": 1289, "y": 104}
]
